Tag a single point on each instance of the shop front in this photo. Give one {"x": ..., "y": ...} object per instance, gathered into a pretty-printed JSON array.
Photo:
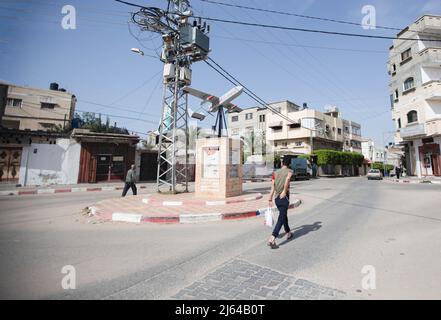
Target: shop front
[
  {"x": 430, "y": 159},
  {"x": 105, "y": 157}
]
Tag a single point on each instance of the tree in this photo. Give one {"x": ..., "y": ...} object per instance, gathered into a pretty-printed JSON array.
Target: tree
[{"x": 88, "y": 120}]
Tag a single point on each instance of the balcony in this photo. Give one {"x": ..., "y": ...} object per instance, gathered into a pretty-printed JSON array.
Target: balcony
[
  {"x": 433, "y": 127},
  {"x": 433, "y": 90},
  {"x": 413, "y": 131},
  {"x": 428, "y": 23},
  {"x": 430, "y": 57}
]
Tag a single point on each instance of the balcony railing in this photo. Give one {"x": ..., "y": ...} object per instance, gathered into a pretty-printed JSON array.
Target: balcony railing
[
  {"x": 433, "y": 127},
  {"x": 413, "y": 130},
  {"x": 430, "y": 57}
]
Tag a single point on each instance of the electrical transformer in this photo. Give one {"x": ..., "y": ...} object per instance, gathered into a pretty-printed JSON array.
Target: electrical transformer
[{"x": 192, "y": 38}]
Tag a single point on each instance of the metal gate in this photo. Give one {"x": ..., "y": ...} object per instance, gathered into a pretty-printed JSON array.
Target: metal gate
[{"x": 10, "y": 159}]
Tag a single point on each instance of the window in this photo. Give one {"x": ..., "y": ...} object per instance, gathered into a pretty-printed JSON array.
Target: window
[
  {"x": 262, "y": 118},
  {"x": 346, "y": 129},
  {"x": 394, "y": 67},
  {"x": 234, "y": 118},
  {"x": 339, "y": 131},
  {"x": 45, "y": 125},
  {"x": 406, "y": 55},
  {"x": 409, "y": 84},
  {"x": 45, "y": 105},
  {"x": 396, "y": 94},
  {"x": 399, "y": 123},
  {"x": 356, "y": 131},
  {"x": 412, "y": 116},
  {"x": 299, "y": 143},
  {"x": 275, "y": 144},
  {"x": 391, "y": 101},
  {"x": 285, "y": 144},
  {"x": 248, "y": 116},
  {"x": 10, "y": 102}
]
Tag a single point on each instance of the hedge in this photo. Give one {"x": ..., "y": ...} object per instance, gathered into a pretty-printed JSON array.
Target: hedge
[
  {"x": 381, "y": 166},
  {"x": 332, "y": 157}
]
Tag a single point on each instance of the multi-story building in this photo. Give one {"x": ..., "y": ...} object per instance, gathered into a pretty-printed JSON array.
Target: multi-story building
[
  {"x": 35, "y": 109},
  {"x": 307, "y": 131},
  {"x": 352, "y": 136},
  {"x": 415, "y": 91},
  {"x": 372, "y": 152}
]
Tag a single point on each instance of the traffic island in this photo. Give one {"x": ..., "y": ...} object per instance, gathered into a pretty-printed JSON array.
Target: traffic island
[{"x": 181, "y": 208}]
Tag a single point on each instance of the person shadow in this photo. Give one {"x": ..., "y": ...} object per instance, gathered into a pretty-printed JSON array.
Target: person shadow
[{"x": 301, "y": 231}]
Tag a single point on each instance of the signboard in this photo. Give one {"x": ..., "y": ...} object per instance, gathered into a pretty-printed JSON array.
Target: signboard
[
  {"x": 118, "y": 158},
  {"x": 211, "y": 162}
]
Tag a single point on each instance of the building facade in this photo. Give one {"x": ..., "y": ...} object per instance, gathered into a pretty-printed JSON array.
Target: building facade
[
  {"x": 35, "y": 109},
  {"x": 415, "y": 93},
  {"x": 372, "y": 152},
  {"x": 309, "y": 129}
]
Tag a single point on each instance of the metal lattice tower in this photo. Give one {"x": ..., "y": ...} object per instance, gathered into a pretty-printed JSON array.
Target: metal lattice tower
[{"x": 182, "y": 44}]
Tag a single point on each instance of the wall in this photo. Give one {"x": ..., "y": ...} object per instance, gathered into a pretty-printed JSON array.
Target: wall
[{"x": 51, "y": 164}]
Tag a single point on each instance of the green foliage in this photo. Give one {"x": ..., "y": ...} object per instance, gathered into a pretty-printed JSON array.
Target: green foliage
[
  {"x": 332, "y": 157},
  {"x": 305, "y": 156},
  {"x": 381, "y": 166},
  {"x": 88, "y": 120}
]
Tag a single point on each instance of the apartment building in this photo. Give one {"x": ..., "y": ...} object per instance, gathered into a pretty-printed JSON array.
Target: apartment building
[
  {"x": 371, "y": 152},
  {"x": 352, "y": 136},
  {"x": 250, "y": 126},
  {"x": 415, "y": 92},
  {"x": 25, "y": 108},
  {"x": 309, "y": 129}
]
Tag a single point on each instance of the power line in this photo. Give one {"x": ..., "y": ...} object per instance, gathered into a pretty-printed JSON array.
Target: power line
[
  {"x": 300, "y": 46},
  {"x": 308, "y": 17},
  {"x": 346, "y": 34}
]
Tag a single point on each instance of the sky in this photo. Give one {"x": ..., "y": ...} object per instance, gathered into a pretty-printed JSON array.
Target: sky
[{"x": 95, "y": 63}]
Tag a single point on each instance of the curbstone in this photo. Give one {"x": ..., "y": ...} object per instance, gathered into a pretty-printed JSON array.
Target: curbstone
[{"x": 127, "y": 217}]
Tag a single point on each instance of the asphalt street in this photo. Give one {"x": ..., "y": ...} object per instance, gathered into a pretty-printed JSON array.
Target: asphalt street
[{"x": 342, "y": 226}]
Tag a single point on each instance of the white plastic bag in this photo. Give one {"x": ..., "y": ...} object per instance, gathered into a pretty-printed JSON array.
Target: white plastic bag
[{"x": 269, "y": 217}]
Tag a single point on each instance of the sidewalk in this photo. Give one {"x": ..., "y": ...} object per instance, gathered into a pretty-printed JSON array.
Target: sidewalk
[
  {"x": 181, "y": 208},
  {"x": 11, "y": 190},
  {"x": 414, "y": 180}
]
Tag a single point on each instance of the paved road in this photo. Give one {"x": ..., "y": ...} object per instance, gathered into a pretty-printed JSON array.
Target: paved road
[{"x": 343, "y": 225}]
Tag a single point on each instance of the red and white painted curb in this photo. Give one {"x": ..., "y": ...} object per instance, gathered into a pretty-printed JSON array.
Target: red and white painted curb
[
  {"x": 60, "y": 190},
  {"x": 407, "y": 181},
  {"x": 183, "y": 218},
  {"x": 156, "y": 202}
]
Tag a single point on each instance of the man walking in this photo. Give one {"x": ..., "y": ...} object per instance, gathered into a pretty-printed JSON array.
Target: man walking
[
  {"x": 280, "y": 187},
  {"x": 130, "y": 181},
  {"x": 398, "y": 172}
]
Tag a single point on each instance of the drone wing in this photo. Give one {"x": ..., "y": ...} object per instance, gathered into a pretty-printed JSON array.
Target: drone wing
[
  {"x": 232, "y": 108},
  {"x": 201, "y": 95}
]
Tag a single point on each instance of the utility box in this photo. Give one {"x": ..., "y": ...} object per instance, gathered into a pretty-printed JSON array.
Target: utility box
[
  {"x": 185, "y": 75},
  {"x": 194, "y": 38},
  {"x": 169, "y": 72}
]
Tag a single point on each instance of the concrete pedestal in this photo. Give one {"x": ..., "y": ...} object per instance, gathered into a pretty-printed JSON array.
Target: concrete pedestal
[{"x": 218, "y": 168}]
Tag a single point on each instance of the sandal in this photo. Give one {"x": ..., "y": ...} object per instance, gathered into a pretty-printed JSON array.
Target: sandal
[{"x": 272, "y": 244}]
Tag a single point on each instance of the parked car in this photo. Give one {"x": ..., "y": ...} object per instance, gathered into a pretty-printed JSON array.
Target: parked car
[{"x": 374, "y": 174}]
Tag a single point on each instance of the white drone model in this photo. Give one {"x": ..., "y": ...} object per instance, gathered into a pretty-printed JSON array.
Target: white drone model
[{"x": 216, "y": 104}]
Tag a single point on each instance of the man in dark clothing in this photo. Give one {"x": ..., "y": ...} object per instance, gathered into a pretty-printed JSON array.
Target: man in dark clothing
[
  {"x": 280, "y": 188},
  {"x": 397, "y": 172},
  {"x": 130, "y": 181}
]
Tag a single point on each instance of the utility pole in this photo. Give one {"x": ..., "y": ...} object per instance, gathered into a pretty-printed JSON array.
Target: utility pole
[{"x": 183, "y": 44}]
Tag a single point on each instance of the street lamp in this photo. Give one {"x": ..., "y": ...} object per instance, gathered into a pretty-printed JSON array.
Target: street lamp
[{"x": 138, "y": 51}]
